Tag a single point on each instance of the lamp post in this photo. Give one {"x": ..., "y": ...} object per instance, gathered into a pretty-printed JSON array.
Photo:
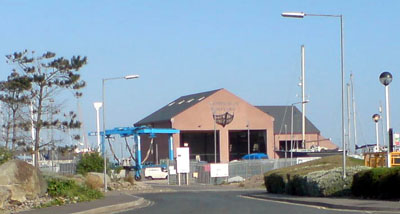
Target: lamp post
[
  {"x": 376, "y": 118},
  {"x": 97, "y": 106},
  {"x": 302, "y": 15},
  {"x": 386, "y": 78},
  {"x": 291, "y": 130},
  {"x": 104, "y": 121}
]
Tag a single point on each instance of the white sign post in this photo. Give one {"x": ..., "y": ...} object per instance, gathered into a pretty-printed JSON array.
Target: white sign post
[{"x": 182, "y": 163}]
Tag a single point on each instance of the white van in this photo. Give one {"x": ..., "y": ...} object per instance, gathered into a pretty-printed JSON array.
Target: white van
[{"x": 155, "y": 173}]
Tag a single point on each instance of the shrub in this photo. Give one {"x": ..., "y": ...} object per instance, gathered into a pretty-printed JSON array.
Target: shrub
[
  {"x": 297, "y": 185},
  {"x": 94, "y": 182},
  {"x": 118, "y": 169},
  {"x": 274, "y": 183},
  {"x": 380, "y": 183},
  {"x": 330, "y": 182},
  {"x": 5, "y": 155},
  {"x": 130, "y": 179},
  {"x": 319, "y": 183},
  {"x": 90, "y": 162},
  {"x": 67, "y": 191}
]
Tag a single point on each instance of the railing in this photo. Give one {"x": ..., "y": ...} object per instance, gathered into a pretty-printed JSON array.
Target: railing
[
  {"x": 200, "y": 171},
  {"x": 395, "y": 158},
  {"x": 375, "y": 159}
]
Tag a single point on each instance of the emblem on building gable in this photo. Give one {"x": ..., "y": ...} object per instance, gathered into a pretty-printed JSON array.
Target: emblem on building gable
[{"x": 223, "y": 119}]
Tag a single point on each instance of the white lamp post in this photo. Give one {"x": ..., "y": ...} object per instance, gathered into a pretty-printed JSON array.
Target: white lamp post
[
  {"x": 376, "y": 118},
  {"x": 302, "y": 15},
  {"x": 386, "y": 78},
  {"x": 104, "y": 122},
  {"x": 97, "y": 106}
]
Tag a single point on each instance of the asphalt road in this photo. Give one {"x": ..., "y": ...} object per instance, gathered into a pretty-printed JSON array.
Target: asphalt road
[{"x": 200, "y": 202}]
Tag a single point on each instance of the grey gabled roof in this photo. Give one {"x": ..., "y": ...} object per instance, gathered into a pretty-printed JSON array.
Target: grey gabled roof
[
  {"x": 283, "y": 115},
  {"x": 175, "y": 107}
]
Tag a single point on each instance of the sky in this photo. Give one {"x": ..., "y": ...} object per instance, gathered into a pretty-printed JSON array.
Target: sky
[{"x": 247, "y": 47}]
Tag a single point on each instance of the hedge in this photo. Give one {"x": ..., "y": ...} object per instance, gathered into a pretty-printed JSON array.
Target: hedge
[
  {"x": 377, "y": 183},
  {"x": 318, "y": 183}
]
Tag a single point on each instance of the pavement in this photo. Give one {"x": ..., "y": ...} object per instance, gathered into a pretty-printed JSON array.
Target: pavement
[
  {"x": 331, "y": 203},
  {"x": 112, "y": 202},
  {"x": 121, "y": 201}
]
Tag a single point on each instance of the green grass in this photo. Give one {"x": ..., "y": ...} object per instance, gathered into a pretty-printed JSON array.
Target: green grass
[
  {"x": 324, "y": 163},
  {"x": 68, "y": 191}
]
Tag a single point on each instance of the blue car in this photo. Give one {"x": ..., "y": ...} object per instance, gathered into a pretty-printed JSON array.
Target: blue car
[{"x": 255, "y": 156}]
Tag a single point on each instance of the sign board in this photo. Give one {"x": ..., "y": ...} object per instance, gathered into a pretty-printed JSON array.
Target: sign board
[
  {"x": 396, "y": 139},
  {"x": 172, "y": 170},
  {"x": 219, "y": 170},
  {"x": 182, "y": 160}
]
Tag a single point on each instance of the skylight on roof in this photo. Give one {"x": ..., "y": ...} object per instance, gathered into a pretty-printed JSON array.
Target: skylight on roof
[
  {"x": 181, "y": 102},
  {"x": 201, "y": 98},
  {"x": 171, "y": 104},
  {"x": 189, "y": 101}
]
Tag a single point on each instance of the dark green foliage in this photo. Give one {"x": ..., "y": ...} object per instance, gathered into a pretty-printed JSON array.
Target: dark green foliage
[
  {"x": 5, "y": 155},
  {"x": 66, "y": 191},
  {"x": 117, "y": 169},
  {"x": 297, "y": 186},
  {"x": 379, "y": 183},
  {"x": 90, "y": 162},
  {"x": 274, "y": 183},
  {"x": 316, "y": 184}
]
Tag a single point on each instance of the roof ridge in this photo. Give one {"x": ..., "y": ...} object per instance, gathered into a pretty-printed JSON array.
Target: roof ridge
[{"x": 176, "y": 106}]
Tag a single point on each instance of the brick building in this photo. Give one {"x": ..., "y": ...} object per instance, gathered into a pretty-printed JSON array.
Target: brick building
[{"x": 238, "y": 128}]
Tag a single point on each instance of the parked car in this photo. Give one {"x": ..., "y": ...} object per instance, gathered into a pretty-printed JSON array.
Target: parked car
[
  {"x": 155, "y": 173},
  {"x": 255, "y": 156}
]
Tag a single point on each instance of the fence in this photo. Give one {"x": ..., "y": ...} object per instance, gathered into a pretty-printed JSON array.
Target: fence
[
  {"x": 200, "y": 171},
  {"x": 60, "y": 167}
]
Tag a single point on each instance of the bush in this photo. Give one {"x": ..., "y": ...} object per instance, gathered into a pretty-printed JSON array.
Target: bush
[
  {"x": 94, "y": 182},
  {"x": 130, "y": 179},
  {"x": 67, "y": 191},
  {"x": 5, "y": 155},
  {"x": 330, "y": 182},
  {"x": 318, "y": 183},
  {"x": 297, "y": 185},
  {"x": 118, "y": 169},
  {"x": 379, "y": 183},
  {"x": 274, "y": 183},
  {"x": 90, "y": 162}
]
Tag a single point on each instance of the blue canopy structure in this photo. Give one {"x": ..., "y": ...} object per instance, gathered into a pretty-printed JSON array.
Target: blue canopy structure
[{"x": 135, "y": 132}]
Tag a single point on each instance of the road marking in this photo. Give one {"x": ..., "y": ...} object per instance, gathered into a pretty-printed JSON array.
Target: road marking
[{"x": 314, "y": 206}]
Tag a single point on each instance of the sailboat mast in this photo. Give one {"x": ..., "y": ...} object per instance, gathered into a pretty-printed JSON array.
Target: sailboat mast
[
  {"x": 303, "y": 103},
  {"x": 354, "y": 111},
  {"x": 348, "y": 120}
]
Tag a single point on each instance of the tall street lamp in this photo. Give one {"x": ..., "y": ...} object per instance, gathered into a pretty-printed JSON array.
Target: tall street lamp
[
  {"x": 104, "y": 121},
  {"x": 302, "y": 15},
  {"x": 376, "y": 118},
  {"x": 386, "y": 78}
]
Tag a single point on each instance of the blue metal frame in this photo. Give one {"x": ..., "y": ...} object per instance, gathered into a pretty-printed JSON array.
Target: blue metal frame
[{"x": 136, "y": 132}]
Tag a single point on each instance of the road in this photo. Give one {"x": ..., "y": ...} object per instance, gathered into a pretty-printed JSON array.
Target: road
[{"x": 218, "y": 201}]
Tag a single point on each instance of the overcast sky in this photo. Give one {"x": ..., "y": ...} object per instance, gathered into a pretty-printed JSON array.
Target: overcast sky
[{"x": 246, "y": 47}]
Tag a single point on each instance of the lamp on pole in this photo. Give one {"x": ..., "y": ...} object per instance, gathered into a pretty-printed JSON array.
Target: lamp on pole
[
  {"x": 302, "y": 15},
  {"x": 386, "y": 78},
  {"x": 104, "y": 121},
  {"x": 291, "y": 130},
  {"x": 376, "y": 118}
]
